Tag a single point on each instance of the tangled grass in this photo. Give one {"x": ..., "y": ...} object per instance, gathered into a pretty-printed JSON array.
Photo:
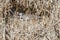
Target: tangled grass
[{"x": 29, "y": 19}]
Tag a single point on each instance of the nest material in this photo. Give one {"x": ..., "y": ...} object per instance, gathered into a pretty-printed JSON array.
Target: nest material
[{"x": 30, "y": 20}]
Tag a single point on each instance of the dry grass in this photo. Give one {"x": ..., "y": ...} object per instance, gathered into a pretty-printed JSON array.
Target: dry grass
[{"x": 29, "y": 20}]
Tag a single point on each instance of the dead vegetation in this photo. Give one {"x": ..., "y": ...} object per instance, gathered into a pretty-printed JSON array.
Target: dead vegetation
[{"x": 29, "y": 20}]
